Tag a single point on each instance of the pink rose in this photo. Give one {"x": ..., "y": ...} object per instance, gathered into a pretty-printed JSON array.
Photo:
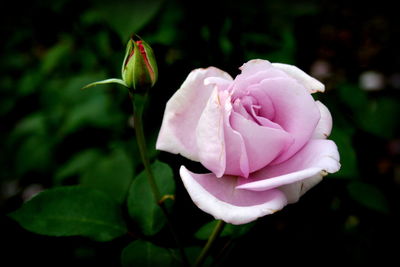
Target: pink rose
[{"x": 262, "y": 136}]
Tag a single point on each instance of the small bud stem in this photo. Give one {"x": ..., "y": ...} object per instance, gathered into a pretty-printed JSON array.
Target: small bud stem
[{"x": 138, "y": 102}]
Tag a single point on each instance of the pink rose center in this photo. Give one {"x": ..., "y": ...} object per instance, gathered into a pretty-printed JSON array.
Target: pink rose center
[{"x": 250, "y": 108}]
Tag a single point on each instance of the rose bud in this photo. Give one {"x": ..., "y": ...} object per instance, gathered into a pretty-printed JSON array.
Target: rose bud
[{"x": 139, "y": 69}]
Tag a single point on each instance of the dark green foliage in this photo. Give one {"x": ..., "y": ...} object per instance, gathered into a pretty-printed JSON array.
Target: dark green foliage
[
  {"x": 112, "y": 175},
  {"x": 142, "y": 206},
  {"x": 234, "y": 231},
  {"x": 146, "y": 254}
]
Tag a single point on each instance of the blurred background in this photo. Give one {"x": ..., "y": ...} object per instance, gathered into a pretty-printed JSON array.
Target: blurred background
[{"x": 54, "y": 134}]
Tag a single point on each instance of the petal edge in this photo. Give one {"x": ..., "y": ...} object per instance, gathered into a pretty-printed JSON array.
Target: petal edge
[
  {"x": 310, "y": 83},
  {"x": 252, "y": 204}
]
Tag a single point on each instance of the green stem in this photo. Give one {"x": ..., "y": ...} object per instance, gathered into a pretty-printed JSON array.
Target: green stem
[
  {"x": 206, "y": 249},
  {"x": 138, "y": 102}
]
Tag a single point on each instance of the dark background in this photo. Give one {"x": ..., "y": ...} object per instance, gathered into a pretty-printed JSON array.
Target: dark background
[{"x": 50, "y": 49}]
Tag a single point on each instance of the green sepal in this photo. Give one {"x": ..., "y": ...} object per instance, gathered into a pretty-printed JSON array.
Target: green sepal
[
  {"x": 129, "y": 47},
  {"x": 152, "y": 62},
  {"x": 107, "y": 81}
]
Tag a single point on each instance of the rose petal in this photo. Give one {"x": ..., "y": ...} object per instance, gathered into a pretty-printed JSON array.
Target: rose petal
[
  {"x": 324, "y": 126},
  {"x": 221, "y": 82},
  {"x": 263, "y": 144},
  {"x": 245, "y": 82},
  {"x": 295, "y": 111},
  {"x": 218, "y": 197},
  {"x": 240, "y": 109},
  {"x": 254, "y": 66},
  {"x": 256, "y": 183},
  {"x": 315, "y": 160},
  {"x": 210, "y": 135},
  {"x": 311, "y": 84},
  {"x": 267, "y": 109},
  {"x": 266, "y": 122},
  {"x": 182, "y": 113},
  {"x": 237, "y": 162},
  {"x": 295, "y": 190}
]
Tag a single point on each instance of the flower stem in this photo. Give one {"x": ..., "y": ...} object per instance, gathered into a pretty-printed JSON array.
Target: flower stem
[
  {"x": 138, "y": 102},
  {"x": 206, "y": 249}
]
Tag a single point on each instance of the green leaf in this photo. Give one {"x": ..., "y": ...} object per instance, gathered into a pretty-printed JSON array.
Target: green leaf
[
  {"x": 353, "y": 97},
  {"x": 282, "y": 47},
  {"x": 145, "y": 254},
  {"x": 125, "y": 17},
  {"x": 77, "y": 165},
  {"x": 31, "y": 144},
  {"x": 34, "y": 124},
  {"x": 286, "y": 52},
  {"x": 77, "y": 109},
  {"x": 237, "y": 231},
  {"x": 381, "y": 117},
  {"x": 92, "y": 112},
  {"x": 29, "y": 82},
  {"x": 205, "y": 231},
  {"x": 71, "y": 211},
  {"x": 348, "y": 158},
  {"x": 56, "y": 55},
  {"x": 378, "y": 116},
  {"x": 167, "y": 31},
  {"x": 111, "y": 175},
  {"x": 192, "y": 253},
  {"x": 34, "y": 154},
  {"x": 224, "y": 41},
  {"x": 234, "y": 231},
  {"x": 141, "y": 204},
  {"x": 369, "y": 196}
]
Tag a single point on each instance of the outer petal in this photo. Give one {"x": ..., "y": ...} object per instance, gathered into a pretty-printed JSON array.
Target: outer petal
[
  {"x": 182, "y": 113},
  {"x": 221, "y": 82},
  {"x": 296, "y": 175},
  {"x": 311, "y": 84},
  {"x": 324, "y": 126},
  {"x": 295, "y": 190},
  {"x": 218, "y": 197},
  {"x": 295, "y": 111},
  {"x": 210, "y": 135},
  {"x": 254, "y": 66}
]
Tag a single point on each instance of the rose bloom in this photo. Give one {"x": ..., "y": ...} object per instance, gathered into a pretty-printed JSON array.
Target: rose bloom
[{"x": 262, "y": 136}]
